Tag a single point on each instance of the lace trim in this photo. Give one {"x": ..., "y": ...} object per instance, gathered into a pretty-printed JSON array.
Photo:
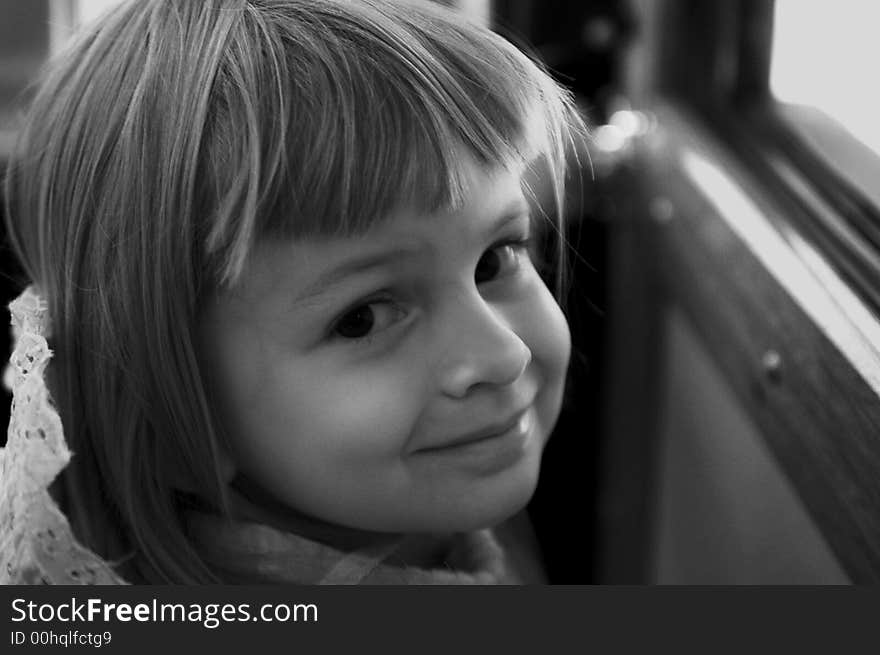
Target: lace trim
[{"x": 37, "y": 545}]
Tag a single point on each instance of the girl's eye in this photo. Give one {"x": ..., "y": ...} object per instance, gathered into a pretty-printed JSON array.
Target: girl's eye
[
  {"x": 366, "y": 319},
  {"x": 500, "y": 260}
]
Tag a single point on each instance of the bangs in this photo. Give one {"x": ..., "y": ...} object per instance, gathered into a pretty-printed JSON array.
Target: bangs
[{"x": 362, "y": 108}]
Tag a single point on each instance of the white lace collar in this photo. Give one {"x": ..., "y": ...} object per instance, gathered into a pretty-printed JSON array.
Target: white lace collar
[{"x": 36, "y": 543}]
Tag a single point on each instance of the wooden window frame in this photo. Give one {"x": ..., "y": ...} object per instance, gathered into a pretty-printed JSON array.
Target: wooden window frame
[{"x": 769, "y": 254}]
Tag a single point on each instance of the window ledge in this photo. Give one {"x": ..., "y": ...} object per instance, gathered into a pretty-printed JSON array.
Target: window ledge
[{"x": 800, "y": 348}]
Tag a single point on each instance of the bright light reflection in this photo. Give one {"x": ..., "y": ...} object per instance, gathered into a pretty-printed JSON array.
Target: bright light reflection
[
  {"x": 825, "y": 55},
  {"x": 628, "y": 122},
  {"x": 89, "y": 10},
  {"x": 609, "y": 138}
]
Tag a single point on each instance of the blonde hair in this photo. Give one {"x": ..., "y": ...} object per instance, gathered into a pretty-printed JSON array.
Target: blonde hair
[{"x": 174, "y": 134}]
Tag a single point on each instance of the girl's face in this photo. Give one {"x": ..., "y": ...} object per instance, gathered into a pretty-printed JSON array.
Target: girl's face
[{"x": 401, "y": 381}]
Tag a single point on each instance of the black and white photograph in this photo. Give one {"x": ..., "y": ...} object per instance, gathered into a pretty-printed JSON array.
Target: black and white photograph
[{"x": 461, "y": 293}]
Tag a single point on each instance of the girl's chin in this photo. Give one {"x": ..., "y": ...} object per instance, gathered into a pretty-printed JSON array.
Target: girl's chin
[{"x": 488, "y": 507}]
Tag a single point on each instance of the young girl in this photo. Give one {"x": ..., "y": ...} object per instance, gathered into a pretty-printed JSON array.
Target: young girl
[{"x": 284, "y": 253}]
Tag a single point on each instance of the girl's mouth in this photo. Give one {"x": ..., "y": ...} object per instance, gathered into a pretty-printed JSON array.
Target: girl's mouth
[{"x": 516, "y": 424}]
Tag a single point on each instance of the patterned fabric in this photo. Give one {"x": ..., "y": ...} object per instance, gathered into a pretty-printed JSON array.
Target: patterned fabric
[{"x": 255, "y": 553}]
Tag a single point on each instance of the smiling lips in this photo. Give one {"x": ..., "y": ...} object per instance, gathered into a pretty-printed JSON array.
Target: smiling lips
[{"x": 516, "y": 423}]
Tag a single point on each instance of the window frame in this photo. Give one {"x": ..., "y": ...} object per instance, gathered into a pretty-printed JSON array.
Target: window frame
[
  {"x": 701, "y": 69},
  {"x": 725, "y": 81}
]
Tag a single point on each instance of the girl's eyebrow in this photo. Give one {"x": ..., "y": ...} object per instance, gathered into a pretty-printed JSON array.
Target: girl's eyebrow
[
  {"x": 354, "y": 266},
  {"x": 383, "y": 258},
  {"x": 515, "y": 210}
]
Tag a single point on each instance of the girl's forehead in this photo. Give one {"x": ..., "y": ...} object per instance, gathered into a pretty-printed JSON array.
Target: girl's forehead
[{"x": 491, "y": 200}]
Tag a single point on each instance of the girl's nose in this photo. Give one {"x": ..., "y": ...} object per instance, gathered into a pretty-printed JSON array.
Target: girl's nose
[{"x": 482, "y": 350}]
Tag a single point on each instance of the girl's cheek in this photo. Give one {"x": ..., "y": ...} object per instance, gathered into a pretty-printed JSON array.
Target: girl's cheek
[
  {"x": 371, "y": 408},
  {"x": 546, "y": 333},
  {"x": 551, "y": 350}
]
